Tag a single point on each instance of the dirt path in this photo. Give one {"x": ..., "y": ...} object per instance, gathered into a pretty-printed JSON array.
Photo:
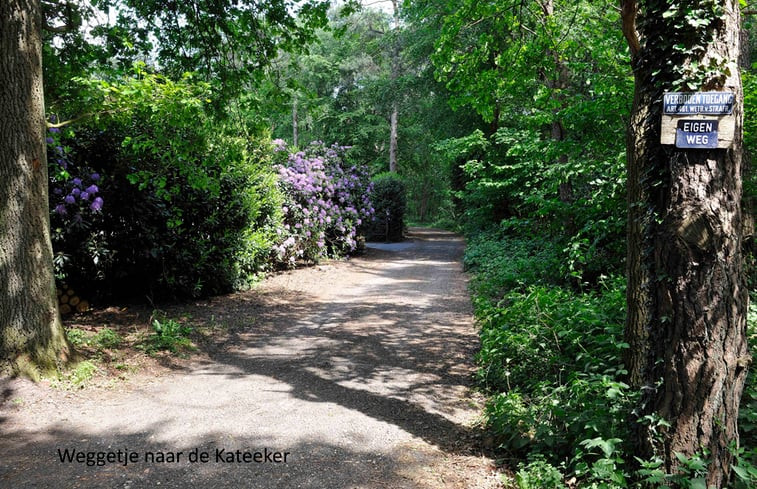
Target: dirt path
[{"x": 356, "y": 373}]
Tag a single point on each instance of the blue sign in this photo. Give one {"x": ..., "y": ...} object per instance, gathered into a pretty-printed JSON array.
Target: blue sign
[
  {"x": 697, "y": 133},
  {"x": 687, "y": 103}
]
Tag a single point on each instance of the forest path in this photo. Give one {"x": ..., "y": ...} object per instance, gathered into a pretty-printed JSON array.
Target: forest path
[{"x": 357, "y": 372}]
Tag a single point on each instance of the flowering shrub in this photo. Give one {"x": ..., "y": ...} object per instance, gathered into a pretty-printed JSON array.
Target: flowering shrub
[
  {"x": 76, "y": 205},
  {"x": 189, "y": 207},
  {"x": 327, "y": 200},
  {"x": 73, "y": 190}
]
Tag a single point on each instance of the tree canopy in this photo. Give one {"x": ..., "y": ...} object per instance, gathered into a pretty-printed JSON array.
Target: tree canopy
[{"x": 187, "y": 148}]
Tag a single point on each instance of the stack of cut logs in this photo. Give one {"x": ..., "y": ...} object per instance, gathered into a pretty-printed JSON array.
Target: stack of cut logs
[{"x": 69, "y": 302}]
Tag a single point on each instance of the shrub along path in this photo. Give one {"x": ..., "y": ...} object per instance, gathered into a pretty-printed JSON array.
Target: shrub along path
[{"x": 351, "y": 374}]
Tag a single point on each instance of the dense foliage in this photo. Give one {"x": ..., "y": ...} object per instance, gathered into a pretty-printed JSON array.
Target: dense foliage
[
  {"x": 343, "y": 90},
  {"x": 551, "y": 359},
  {"x": 390, "y": 201},
  {"x": 543, "y": 194},
  {"x": 181, "y": 207},
  {"x": 165, "y": 181}
]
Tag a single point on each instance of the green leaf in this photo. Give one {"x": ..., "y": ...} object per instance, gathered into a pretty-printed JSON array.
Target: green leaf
[
  {"x": 742, "y": 473},
  {"x": 698, "y": 483}
]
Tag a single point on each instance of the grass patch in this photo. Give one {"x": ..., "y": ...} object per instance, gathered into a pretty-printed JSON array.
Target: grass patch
[
  {"x": 79, "y": 376},
  {"x": 106, "y": 338},
  {"x": 82, "y": 373},
  {"x": 168, "y": 335}
]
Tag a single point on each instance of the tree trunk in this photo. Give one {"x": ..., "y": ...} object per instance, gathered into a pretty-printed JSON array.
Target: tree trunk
[
  {"x": 557, "y": 83},
  {"x": 31, "y": 333},
  {"x": 394, "y": 117},
  {"x": 393, "y": 120},
  {"x": 687, "y": 296},
  {"x": 295, "y": 123}
]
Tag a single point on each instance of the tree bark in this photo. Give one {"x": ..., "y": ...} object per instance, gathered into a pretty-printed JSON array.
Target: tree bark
[
  {"x": 558, "y": 82},
  {"x": 394, "y": 117},
  {"x": 393, "y": 121},
  {"x": 31, "y": 333},
  {"x": 687, "y": 296},
  {"x": 295, "y": 124}
]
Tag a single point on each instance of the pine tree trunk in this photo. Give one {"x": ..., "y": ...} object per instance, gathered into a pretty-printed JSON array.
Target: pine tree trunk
[
  {"x": 394, "y": 117},
  {"x": 295, "y": 124},
  {"x": 687, "y": 296},
  {"x": 31, "y": 334},
  {"x": 393, "y": 121}
]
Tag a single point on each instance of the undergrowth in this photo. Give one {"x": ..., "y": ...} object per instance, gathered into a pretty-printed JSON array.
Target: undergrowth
[
  {"x": 108, "y": 354},
  {"x": 551, "y": 365},
  {"x": 168, "y": 334}
]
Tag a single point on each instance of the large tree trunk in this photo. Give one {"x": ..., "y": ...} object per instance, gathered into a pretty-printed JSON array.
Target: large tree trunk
[
  {"x": 687, "y": 297},
  {"x": 31, "y": 334}
]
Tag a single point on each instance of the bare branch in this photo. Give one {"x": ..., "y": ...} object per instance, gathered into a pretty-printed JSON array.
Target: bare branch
[{"x": 86, "y": 115}]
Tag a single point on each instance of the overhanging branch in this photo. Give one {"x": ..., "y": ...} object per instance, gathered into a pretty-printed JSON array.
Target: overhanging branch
[
  {"x": 71, "y": 21},
  {"x": 86, "y": 115},
  {"x": 628, "y": 10}
]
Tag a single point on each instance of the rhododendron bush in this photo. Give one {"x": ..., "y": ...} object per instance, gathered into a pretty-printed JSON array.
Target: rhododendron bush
[
  {"x": 156, "y": 199},
  {"x": 327, "y": 201}
]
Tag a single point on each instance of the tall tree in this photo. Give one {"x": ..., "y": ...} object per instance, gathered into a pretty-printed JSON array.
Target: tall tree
[
  {"x": 687, "y": 297},
  {"x": 29, "y": 321},
  {"x": 395, "y": 74},
  {"x": 340, "y": 86}
]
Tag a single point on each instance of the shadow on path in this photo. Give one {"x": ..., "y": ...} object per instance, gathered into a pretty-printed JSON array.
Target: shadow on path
[{"x": 384, "y": 343}]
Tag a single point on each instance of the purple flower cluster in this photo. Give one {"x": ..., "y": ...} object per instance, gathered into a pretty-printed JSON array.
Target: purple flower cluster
[
  {"x": 70, "y": 195},
  {"x": 77, "y": 193},
  {"x": 279, "y": 145},
  {"x": 327, "y": 199}
]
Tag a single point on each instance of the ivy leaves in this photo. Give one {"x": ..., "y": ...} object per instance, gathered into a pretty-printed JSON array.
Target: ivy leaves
[{"x": 676, "y": 36}]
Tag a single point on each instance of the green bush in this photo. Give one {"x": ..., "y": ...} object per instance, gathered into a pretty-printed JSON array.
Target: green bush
[
  {"x": 748, "y": 407},
  {"x": 545, "y": 332},
  {"x": 539, "y": 475},
  {"x": 551, "y": 362},
  {"x": 188, "y": 208},
  {"x": 551, "y": 359},
  {"x": 503, "y": 263},
  {"x": 76, "y": 337},
  {"x": 80, "y": 375},
  {"x": 389, "y": 201},
  {"x": 566, "y": 191}
]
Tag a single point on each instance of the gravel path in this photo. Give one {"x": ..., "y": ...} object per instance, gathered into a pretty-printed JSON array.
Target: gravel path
[{"x": 352, "y": 374}]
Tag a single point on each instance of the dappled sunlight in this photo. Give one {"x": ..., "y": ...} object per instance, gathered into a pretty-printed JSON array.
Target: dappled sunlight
[{"x": 347, "y": 374}]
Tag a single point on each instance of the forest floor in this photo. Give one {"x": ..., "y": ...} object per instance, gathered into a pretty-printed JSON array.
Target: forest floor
[{"x": 350, "y": 374}]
